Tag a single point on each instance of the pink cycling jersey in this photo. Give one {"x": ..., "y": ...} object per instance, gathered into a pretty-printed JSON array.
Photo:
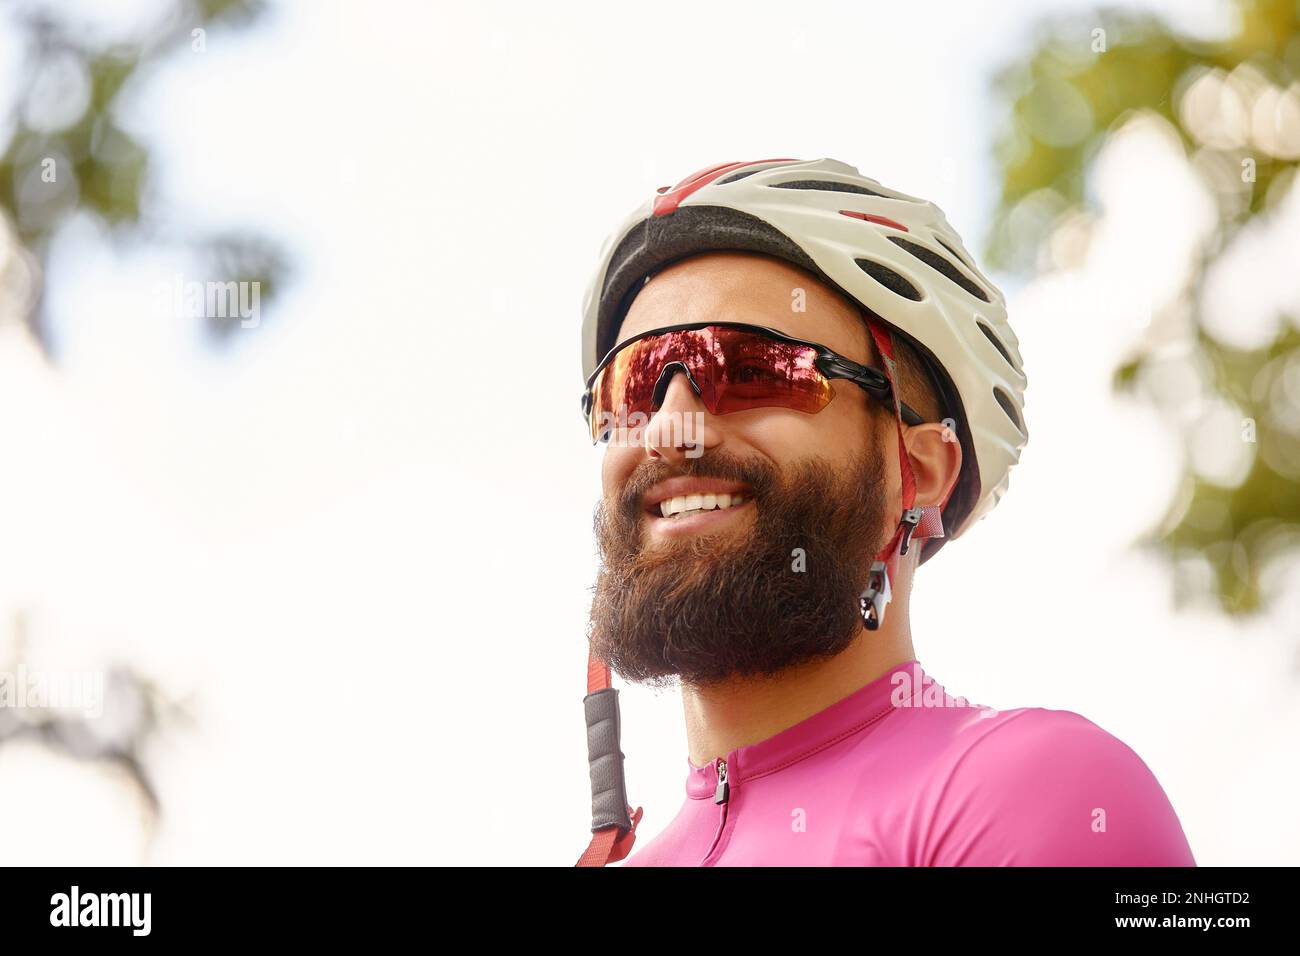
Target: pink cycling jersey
[{"x": 899, "y": 773}]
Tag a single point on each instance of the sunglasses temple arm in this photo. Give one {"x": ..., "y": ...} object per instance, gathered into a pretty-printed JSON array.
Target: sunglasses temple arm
[{"x": 872, "y": 382}]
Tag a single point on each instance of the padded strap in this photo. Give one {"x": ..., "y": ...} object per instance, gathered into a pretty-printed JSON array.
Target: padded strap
[{"x": 613, "y": 821}]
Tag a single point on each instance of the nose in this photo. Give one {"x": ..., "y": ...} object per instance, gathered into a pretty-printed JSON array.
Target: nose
[{"x": 681, "y": 427}]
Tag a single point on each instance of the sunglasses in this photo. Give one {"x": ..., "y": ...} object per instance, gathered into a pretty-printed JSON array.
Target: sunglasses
[{"x": 732, "y": 367}]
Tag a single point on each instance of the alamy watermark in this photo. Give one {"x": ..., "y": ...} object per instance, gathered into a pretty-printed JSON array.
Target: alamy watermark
[
  {"x": 912, "y": 688},
  {"x": 672, "y": 429},
  {"x": 209, "y": 299},
  {"x": 28, "y": 689},
  {"x": 128, "y": 910}
]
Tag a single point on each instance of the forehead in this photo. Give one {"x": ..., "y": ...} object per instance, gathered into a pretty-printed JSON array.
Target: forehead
[{"x": 752, "y": 288}]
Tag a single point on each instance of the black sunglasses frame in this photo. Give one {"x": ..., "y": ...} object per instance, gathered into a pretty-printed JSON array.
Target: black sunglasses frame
[{"x": 829, "y": 362}]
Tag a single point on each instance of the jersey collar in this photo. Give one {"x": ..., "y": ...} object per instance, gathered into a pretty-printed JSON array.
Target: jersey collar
[{"x": 860, "y": 712}]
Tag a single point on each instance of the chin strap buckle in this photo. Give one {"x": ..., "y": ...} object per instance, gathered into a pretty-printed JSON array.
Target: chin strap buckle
[
  {"x": 911, "y": 518},
  {"x": 876, "y": 596}
]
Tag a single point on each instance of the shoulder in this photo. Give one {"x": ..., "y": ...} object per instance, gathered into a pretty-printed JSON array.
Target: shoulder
[
  {"x": 1027, "y": 738},
  {"x": 1039, "y": 787}
]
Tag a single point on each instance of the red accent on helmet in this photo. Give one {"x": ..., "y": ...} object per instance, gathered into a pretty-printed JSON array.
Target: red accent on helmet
[
  {"x": 867, "y": 217},
  {"x": 668, "y": 201}
]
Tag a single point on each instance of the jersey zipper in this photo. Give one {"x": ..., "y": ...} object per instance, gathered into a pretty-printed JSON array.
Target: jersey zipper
[{"x": 720, "y": 796}]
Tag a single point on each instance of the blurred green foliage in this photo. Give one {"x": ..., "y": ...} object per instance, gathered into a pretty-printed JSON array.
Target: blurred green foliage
[
  {"x": 1084, "y": 76},
  {"x": 65, "y": 117}
]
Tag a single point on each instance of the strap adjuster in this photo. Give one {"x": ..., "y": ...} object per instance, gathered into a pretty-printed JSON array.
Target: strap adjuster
[
  {"x": 911, "y": 518},
  {"x": 876, "y": 596}
]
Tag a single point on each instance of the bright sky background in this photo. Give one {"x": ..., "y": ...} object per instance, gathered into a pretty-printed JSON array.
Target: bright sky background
[{"x": 365, "y": 562}]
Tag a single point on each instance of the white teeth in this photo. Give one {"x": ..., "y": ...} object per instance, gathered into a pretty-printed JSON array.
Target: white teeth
[{"x": 689, "y": 504}]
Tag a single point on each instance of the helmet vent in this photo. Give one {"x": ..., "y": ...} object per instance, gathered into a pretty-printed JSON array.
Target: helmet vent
[
  {"x": 827, "y": 185},
  {"x": 1009, "y": 407},
  {"x": 740, "y": 175},
  {"x": 941, "y": 265},
  {"x": 955, "y": 254},
  {"x": 890, "y": 279},
  {"x": 997, "y": 342}
]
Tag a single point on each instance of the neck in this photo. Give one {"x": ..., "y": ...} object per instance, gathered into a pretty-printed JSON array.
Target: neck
[{"x": 743, "y": 711}]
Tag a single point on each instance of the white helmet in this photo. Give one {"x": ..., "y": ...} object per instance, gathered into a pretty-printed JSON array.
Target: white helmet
[{"x": 894, "y": 254}]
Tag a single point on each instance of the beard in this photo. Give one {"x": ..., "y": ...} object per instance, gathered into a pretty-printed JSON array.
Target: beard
[{"x": 709, "y": 608}]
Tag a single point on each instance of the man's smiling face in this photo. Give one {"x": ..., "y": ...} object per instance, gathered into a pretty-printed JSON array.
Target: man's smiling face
[{"x": 752, "y": 588}]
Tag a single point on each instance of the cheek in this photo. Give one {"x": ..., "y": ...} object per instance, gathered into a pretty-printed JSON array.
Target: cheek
[
  {"x": 617, "y": 466},
  {"x": 839, "y": 433}
]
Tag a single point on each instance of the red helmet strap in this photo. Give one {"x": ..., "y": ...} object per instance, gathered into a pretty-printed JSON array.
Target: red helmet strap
[{"x": 915, "y": 523}]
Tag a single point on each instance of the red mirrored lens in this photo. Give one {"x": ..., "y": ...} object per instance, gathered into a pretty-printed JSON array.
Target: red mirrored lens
[
  {"x": 736, "y": 369},
  {"x": 757, "y": 371}
]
